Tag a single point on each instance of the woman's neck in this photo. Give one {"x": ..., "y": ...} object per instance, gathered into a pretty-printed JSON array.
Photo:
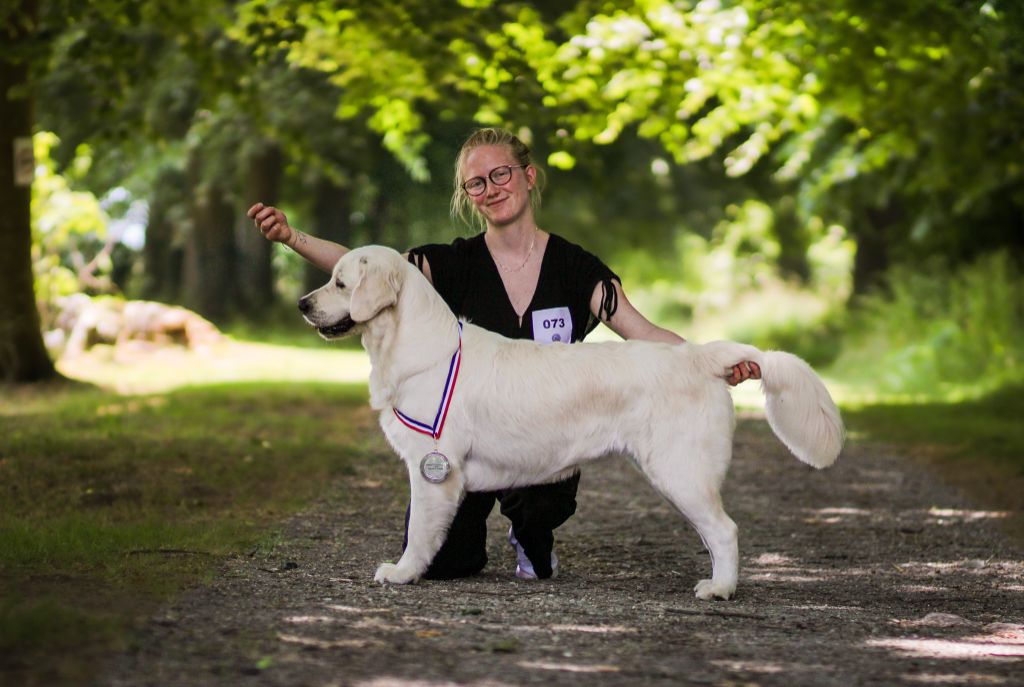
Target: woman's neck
[{"x": 513, "y": 238}]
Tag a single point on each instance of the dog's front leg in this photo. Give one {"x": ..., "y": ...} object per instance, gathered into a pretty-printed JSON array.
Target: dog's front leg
[{"x": 430, "y": 515}]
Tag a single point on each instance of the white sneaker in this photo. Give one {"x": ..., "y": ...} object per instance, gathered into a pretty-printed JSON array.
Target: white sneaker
[{"x": 524, "y": 568}]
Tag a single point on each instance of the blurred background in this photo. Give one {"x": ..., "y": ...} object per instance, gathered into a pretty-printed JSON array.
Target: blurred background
[{"x": 840, "y": 179}]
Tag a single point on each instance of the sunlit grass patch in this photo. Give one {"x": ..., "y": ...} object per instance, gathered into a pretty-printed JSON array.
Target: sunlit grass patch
[
  {"x": 146, "y": 371},
  {"x": 986, "y": 427},
  {"x": 977, "y": 444}
]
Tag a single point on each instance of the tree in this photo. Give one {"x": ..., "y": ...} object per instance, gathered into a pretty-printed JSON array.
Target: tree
[
  {"x": 23, "y": 358},
  {"x": 167, "y": 120},
  {"x": 899, "y": 120}
]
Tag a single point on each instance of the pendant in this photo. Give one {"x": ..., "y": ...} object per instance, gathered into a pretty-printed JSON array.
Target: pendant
[{"x": 435, "y": 467}]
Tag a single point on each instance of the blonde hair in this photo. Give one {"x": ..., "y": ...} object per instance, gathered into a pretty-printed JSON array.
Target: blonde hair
[{"x": 462, "y": 207}]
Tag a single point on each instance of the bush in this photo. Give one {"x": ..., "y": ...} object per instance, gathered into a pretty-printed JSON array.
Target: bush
[{"x": 937, "y": 329}]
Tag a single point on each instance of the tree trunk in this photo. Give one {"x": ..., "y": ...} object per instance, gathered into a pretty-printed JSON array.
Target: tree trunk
[
  {"x": 332, "y": 221},
  {"x": 876, "y": 232},
  {"x": 254, "y": 252},
  {"x": 162, "y": 254},
  {"x": 792, "y": 240},
  {"x": 210, "y": 284},
  {"x": 23, "y": 357},
  {"x": 378, "y": 222}
]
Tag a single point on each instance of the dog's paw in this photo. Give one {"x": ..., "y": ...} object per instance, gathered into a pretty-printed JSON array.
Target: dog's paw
[
  {"x": 389, "y": 573},
  {"x": 709, "y": 589}
]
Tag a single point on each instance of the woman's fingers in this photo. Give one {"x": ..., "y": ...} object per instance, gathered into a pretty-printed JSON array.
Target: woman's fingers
[
  {"x": 266, "y": 218},
  {"x": 742, "y": 372}
]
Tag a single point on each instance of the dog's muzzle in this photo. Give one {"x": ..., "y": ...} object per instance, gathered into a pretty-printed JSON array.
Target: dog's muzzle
[
  {"x": 330, "y": 331},
  {"x": 337, "y": 329}
]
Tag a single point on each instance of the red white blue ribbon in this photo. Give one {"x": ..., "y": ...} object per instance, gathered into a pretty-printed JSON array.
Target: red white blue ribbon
[{"x": 435, "y": 429}]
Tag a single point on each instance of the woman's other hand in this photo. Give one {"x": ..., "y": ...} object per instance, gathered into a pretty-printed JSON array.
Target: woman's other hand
[{"x": 742, "y": 372}]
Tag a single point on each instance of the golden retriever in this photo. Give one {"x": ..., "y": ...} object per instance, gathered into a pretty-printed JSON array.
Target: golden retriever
[{"x": 467, "y": 409}]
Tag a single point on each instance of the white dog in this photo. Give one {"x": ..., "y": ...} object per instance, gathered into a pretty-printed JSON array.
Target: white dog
[{"x": 469, "y": 410}]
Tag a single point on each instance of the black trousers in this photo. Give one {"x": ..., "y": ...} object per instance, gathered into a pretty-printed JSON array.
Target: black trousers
[{"x": 534, "y": 511}]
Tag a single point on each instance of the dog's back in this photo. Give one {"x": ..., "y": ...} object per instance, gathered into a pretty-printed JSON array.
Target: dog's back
[
  {"x": 565, "y": 404},
  {"x": 578, "y": 402}
]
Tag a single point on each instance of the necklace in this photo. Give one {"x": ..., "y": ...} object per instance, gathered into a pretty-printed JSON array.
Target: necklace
[{"x": 525, "y": 260}]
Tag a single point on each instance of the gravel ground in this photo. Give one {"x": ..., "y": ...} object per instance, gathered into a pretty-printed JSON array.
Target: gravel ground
[{"x": 871, "y": 572}]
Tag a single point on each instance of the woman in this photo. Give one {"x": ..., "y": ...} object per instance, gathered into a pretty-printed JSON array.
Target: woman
[{"x": 520, "y": 281}]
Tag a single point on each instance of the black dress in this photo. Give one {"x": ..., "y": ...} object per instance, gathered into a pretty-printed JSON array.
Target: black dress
[{"x": 467, "y": 278}]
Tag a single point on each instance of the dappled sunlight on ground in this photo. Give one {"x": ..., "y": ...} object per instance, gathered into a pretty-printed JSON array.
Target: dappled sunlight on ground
[
  {"x": 1000, "y": 644},
  {"x": 356, "y": 628},
  {"x": 407, "y": 682},
  {"x": 952, "y": 516},
  {"x": 569, "y": 667},
  {"x": 867, "y": 573},
  {"x": 952, "y": 679},
  {"x": 930, "y": 516},
  {"x": 371, "y": 618}
]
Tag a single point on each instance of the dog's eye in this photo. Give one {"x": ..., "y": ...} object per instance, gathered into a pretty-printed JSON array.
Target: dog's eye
[{"x": 340, "y": 284}]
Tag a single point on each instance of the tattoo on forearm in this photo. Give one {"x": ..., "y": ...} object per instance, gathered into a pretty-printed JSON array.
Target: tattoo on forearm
[{"x": 299, "y": 238}]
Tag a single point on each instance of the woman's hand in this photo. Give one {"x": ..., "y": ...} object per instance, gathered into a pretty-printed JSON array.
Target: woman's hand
[
  {"x": 272, "y": 223},
  {"x": 742, "y": 372}
]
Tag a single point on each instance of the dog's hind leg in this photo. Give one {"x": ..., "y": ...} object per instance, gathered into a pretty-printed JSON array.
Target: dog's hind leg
[
  {"x": 696, "y": 497},
  {"x": 431, "y": 512},
  {"x": 718, "y": 532}
]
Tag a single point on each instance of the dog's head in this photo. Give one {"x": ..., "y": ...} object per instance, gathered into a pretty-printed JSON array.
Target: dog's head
[{"x": 364, "y": 282}]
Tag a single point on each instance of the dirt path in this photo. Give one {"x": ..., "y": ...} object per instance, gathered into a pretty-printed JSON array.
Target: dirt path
[{"x": 868, "y": 573}]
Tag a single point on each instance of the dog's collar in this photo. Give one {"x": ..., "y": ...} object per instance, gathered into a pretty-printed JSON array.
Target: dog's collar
[{"x": 435, "y": 429}]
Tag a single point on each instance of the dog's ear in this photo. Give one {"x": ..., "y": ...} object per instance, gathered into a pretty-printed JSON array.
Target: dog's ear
[{"x": 376, "y": 289}]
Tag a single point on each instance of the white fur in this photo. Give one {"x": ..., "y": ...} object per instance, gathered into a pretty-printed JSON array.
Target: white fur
[{"x": 525, "y": 413}]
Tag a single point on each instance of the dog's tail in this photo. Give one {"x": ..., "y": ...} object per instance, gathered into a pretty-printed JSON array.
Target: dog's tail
[{"x": 799, "y": 408}]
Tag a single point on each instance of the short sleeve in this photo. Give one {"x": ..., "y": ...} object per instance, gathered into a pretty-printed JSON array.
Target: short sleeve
[
  {"x": 447, "y": 267},
  {"x": 586, "y": 271}
]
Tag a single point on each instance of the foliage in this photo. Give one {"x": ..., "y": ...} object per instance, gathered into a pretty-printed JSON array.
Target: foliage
[
  {"x": 939, "y": 330},
  {"x": 895, "y": 122},
  {"x": 986, "y": 426},
  {"x": 859, "y": 102},
  {"x": 863, "y": 106},
  {"x": 730, "y": 285},
  {"x": 69, "y": 230}
]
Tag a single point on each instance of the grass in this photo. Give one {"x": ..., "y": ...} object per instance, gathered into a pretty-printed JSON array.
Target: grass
[
  {"x": 988, "y": 426},
  {"x": 146, "y": 371},
  {"x": 977, "y": 444},
  {"x": 111, "y": 503}
]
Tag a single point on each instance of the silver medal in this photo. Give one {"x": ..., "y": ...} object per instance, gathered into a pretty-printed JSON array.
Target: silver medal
[{"x": 435, "y": 467}]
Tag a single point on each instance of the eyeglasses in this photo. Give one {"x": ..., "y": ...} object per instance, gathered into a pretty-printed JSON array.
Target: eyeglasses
[{"x": 499, "y": 176}]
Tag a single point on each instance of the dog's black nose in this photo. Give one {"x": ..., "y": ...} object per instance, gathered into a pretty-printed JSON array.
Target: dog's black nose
[{"x": 304, "y": 305}]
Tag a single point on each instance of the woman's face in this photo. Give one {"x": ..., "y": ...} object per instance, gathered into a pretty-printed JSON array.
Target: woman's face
[{"x": 504, "y": 204}]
